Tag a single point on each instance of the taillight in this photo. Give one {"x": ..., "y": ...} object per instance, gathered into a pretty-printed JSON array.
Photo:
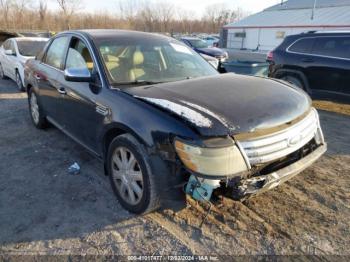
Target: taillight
[{"x": 269, "y": 56}]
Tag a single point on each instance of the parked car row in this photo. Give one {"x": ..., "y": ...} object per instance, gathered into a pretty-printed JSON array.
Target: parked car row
[
  {"x": 160, "y": 117},
  {"x": 202, "y": 47},
  {"x": 212, "y": 40}
]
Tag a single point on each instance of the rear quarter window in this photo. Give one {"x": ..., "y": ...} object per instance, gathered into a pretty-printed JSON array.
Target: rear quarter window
[
  {"x": 332, "y": 46},
  {"x": 303, "y": 46}
]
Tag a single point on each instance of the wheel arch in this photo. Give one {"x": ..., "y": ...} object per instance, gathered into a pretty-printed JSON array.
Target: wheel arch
[
  {"x": 114, "y": 130},
  {"x": 168, "y": 180},
  {"x": 296, "y": 73}
]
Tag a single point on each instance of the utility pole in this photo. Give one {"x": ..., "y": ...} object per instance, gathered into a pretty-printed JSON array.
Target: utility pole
[{"x": 313, "y": 10}]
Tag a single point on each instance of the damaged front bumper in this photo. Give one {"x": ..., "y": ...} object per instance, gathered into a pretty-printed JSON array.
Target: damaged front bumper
[
  {"x": 265, "y": 161},
  {"x": 260, "y": 184}
]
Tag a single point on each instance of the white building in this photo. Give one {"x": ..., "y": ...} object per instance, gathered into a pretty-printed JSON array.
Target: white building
[{"x": 265, "y": 30}]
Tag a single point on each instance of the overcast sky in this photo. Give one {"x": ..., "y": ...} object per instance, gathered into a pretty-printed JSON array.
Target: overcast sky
[{"x": 195, "y": 6}]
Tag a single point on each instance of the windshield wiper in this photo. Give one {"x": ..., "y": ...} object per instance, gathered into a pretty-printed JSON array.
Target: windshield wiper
[{"x": 138, "y": 82}]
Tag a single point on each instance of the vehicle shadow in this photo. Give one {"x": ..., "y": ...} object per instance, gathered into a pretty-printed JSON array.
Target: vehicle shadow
[{"x": 41, "y": 200}]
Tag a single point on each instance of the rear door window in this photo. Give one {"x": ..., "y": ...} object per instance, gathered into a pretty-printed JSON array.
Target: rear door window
[
  {"x": 332, "y": 46},
  {"x": 56, "y": 53},
  {"x": 302, "y": 46}
]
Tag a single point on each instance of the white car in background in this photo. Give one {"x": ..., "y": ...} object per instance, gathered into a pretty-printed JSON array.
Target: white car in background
[{"x": 14, "y": 53}]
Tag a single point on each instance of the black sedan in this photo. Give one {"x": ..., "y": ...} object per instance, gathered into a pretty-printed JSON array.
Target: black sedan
[{"x": 161, "y": 118}]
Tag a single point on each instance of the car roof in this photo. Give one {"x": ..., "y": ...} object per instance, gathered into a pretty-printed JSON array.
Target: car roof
[
  {"x": 323, "y": 33},
  {"x": 105, "y": 33},
  {"x": 30, "y": 39}
]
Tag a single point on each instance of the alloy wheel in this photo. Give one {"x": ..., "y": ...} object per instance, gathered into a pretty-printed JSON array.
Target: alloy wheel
[
  {"x": 127, "y": 175},
  {"x": 34, "y": 108}
]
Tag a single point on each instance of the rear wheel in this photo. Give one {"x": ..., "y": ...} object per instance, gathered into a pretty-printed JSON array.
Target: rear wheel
[
  {"x": 294, "y": 80},
  {"x": 131, "y": 176},
  {"x": 36, "y": 112},
  {"x": 19, "y": 82}
]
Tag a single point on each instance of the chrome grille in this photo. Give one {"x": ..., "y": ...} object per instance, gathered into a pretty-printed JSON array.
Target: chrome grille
[{"x": 272, "y": 147}]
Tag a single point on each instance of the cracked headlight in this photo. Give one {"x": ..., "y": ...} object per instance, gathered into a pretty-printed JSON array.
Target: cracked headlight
[{"x": 214, "y": 157}]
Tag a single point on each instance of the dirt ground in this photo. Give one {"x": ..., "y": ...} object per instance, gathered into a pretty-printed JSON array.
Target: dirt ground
[
  {"x": 333, "y": 107},
  {"x": 46, "y": 210}
]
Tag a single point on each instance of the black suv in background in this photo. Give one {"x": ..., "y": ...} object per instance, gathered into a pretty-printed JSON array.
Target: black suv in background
[{"x": 318, "y": 62}]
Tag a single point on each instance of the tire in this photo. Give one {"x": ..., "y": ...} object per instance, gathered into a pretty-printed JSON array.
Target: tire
[
  {"x": 294, "y": 80},
  {"x": 132, "y": 181},
  {"x": 36, "y": 111},
  {"x": 19, "y": 82},
  {"x": 2, "y": 73}
]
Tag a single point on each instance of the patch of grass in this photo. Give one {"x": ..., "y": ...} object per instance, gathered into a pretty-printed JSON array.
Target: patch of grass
[{"x": 332, "y": 107}]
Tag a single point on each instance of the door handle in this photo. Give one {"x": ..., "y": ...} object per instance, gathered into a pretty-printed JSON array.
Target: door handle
[{"x": 62, "y": 91}]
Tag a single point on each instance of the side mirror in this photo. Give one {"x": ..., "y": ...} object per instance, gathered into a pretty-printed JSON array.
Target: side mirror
[
  {"x": 77, "y": 75},
  {"x": 9, "y": 52}
]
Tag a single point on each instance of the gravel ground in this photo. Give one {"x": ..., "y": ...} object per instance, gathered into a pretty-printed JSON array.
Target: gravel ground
[{"x": 45, "y": 210}]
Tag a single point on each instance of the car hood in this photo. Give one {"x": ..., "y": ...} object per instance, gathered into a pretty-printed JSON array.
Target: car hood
[
  {"x": 211, "y": 51},
  {"x": 227, "y": 104}
]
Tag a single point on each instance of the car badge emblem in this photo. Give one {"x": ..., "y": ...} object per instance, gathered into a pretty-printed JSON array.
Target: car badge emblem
[{"x": 292, "y": 141}]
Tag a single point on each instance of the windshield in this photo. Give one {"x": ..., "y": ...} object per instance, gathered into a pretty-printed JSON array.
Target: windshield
[
  {"x": 150, "y": 60},
  {"x": 30, "y": 48},
  {"x": 198, "y": 43}
]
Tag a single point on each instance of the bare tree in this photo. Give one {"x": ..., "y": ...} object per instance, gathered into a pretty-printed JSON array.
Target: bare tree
[
  {"x": 148, "y": 20},
  {"x": 42, "y": 10},
  {"x": 151, "y": 15},
  {"x": 20, "y": 7},
  {"x": 184, "y": 18},
  {"x": 165, "y": 14},
  {"x": 218, "y": 15},
  {"x": 5, "y": 10},
  {"x": 68, "y": 8},
  {"x": 128, "y": 10}
]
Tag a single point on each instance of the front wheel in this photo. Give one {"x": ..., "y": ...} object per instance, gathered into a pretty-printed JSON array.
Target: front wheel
[
  {"x": 36, "y": 112},
  {"x": 19, "y": 82},
  {"x": 130, "y": 174}
]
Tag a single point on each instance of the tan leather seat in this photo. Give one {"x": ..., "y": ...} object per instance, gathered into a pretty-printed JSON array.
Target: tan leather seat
[
  {"x": 112, "y": 62},
  {"x": 137, "y": 70},
  {"x": 88, "y": 59}
]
